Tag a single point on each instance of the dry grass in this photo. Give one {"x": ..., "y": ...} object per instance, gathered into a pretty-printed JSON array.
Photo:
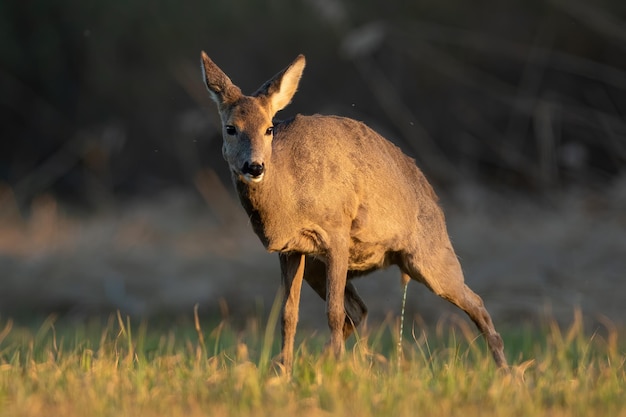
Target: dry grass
[
  {"x": 121, "y": 369},
  {"x": 164, "y": 255}
]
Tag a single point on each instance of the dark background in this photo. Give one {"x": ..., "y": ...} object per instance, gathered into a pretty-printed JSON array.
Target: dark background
[
  {"x": 100, "y": 99},
  {"x": 102, "y": 105}
]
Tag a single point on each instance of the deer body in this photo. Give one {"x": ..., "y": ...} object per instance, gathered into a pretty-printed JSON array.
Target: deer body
[
  {"x": 306, "y": 197},
  {"x": 336, "y": 200}
]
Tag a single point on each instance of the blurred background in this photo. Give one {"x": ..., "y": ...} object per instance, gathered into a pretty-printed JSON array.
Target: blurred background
[{"x": 114, "y": 194}]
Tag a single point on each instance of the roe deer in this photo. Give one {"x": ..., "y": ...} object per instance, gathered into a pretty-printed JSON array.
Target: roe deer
[{"x": 336, "y": 200}]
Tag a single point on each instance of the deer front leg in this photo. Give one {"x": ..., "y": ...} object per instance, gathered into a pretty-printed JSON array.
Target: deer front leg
[
  {"x": 336, "y": 271},
  {"x": 292, "y": 271},
  {"x": 356, "y": 310}
]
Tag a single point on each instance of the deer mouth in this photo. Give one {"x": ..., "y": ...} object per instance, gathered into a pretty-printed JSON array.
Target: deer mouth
[{"x": 249, "y": 178}]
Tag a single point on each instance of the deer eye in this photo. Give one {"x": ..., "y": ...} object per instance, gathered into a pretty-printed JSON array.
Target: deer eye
[
  {"x": 231, "y": 130},
  {"x": 269, "y": 131}
]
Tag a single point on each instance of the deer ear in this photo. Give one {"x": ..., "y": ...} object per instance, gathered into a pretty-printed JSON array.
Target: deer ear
[
  {"x": 280, "y": 89},
  {"x": 221, "y": 88}
]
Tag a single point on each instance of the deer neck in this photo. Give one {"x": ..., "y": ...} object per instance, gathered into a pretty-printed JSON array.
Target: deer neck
[{"x": 265, "y": 206}]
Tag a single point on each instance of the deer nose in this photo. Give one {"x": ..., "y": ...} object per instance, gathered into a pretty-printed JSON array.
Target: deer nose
[{"x": 254, "y": 169}]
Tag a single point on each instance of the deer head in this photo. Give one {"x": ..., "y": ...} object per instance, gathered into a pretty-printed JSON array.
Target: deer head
[{"x": 247, "y": 126}]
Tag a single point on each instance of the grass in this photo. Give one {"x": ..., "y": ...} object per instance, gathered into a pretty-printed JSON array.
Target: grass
[{"x": 118, "y": 368}]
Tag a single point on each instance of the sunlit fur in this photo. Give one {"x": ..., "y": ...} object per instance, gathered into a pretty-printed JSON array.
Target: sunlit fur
[{"x": 336, "y": 201}]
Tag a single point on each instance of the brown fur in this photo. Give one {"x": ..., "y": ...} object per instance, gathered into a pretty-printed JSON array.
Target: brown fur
[{"x": 335, "y": 200}]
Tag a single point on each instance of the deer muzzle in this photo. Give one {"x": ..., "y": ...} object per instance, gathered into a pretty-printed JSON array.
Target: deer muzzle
[{"x": 253, "y": 172}]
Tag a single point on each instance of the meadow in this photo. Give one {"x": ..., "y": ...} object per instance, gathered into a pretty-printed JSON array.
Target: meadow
[{"x": 193, "y": 367}]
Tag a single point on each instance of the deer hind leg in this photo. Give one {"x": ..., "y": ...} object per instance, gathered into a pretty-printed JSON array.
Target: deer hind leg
[
  {"x": 292, "y": 272},
  {"x": 443, "y": 275},
  {"x": 356, "y": 310}
]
